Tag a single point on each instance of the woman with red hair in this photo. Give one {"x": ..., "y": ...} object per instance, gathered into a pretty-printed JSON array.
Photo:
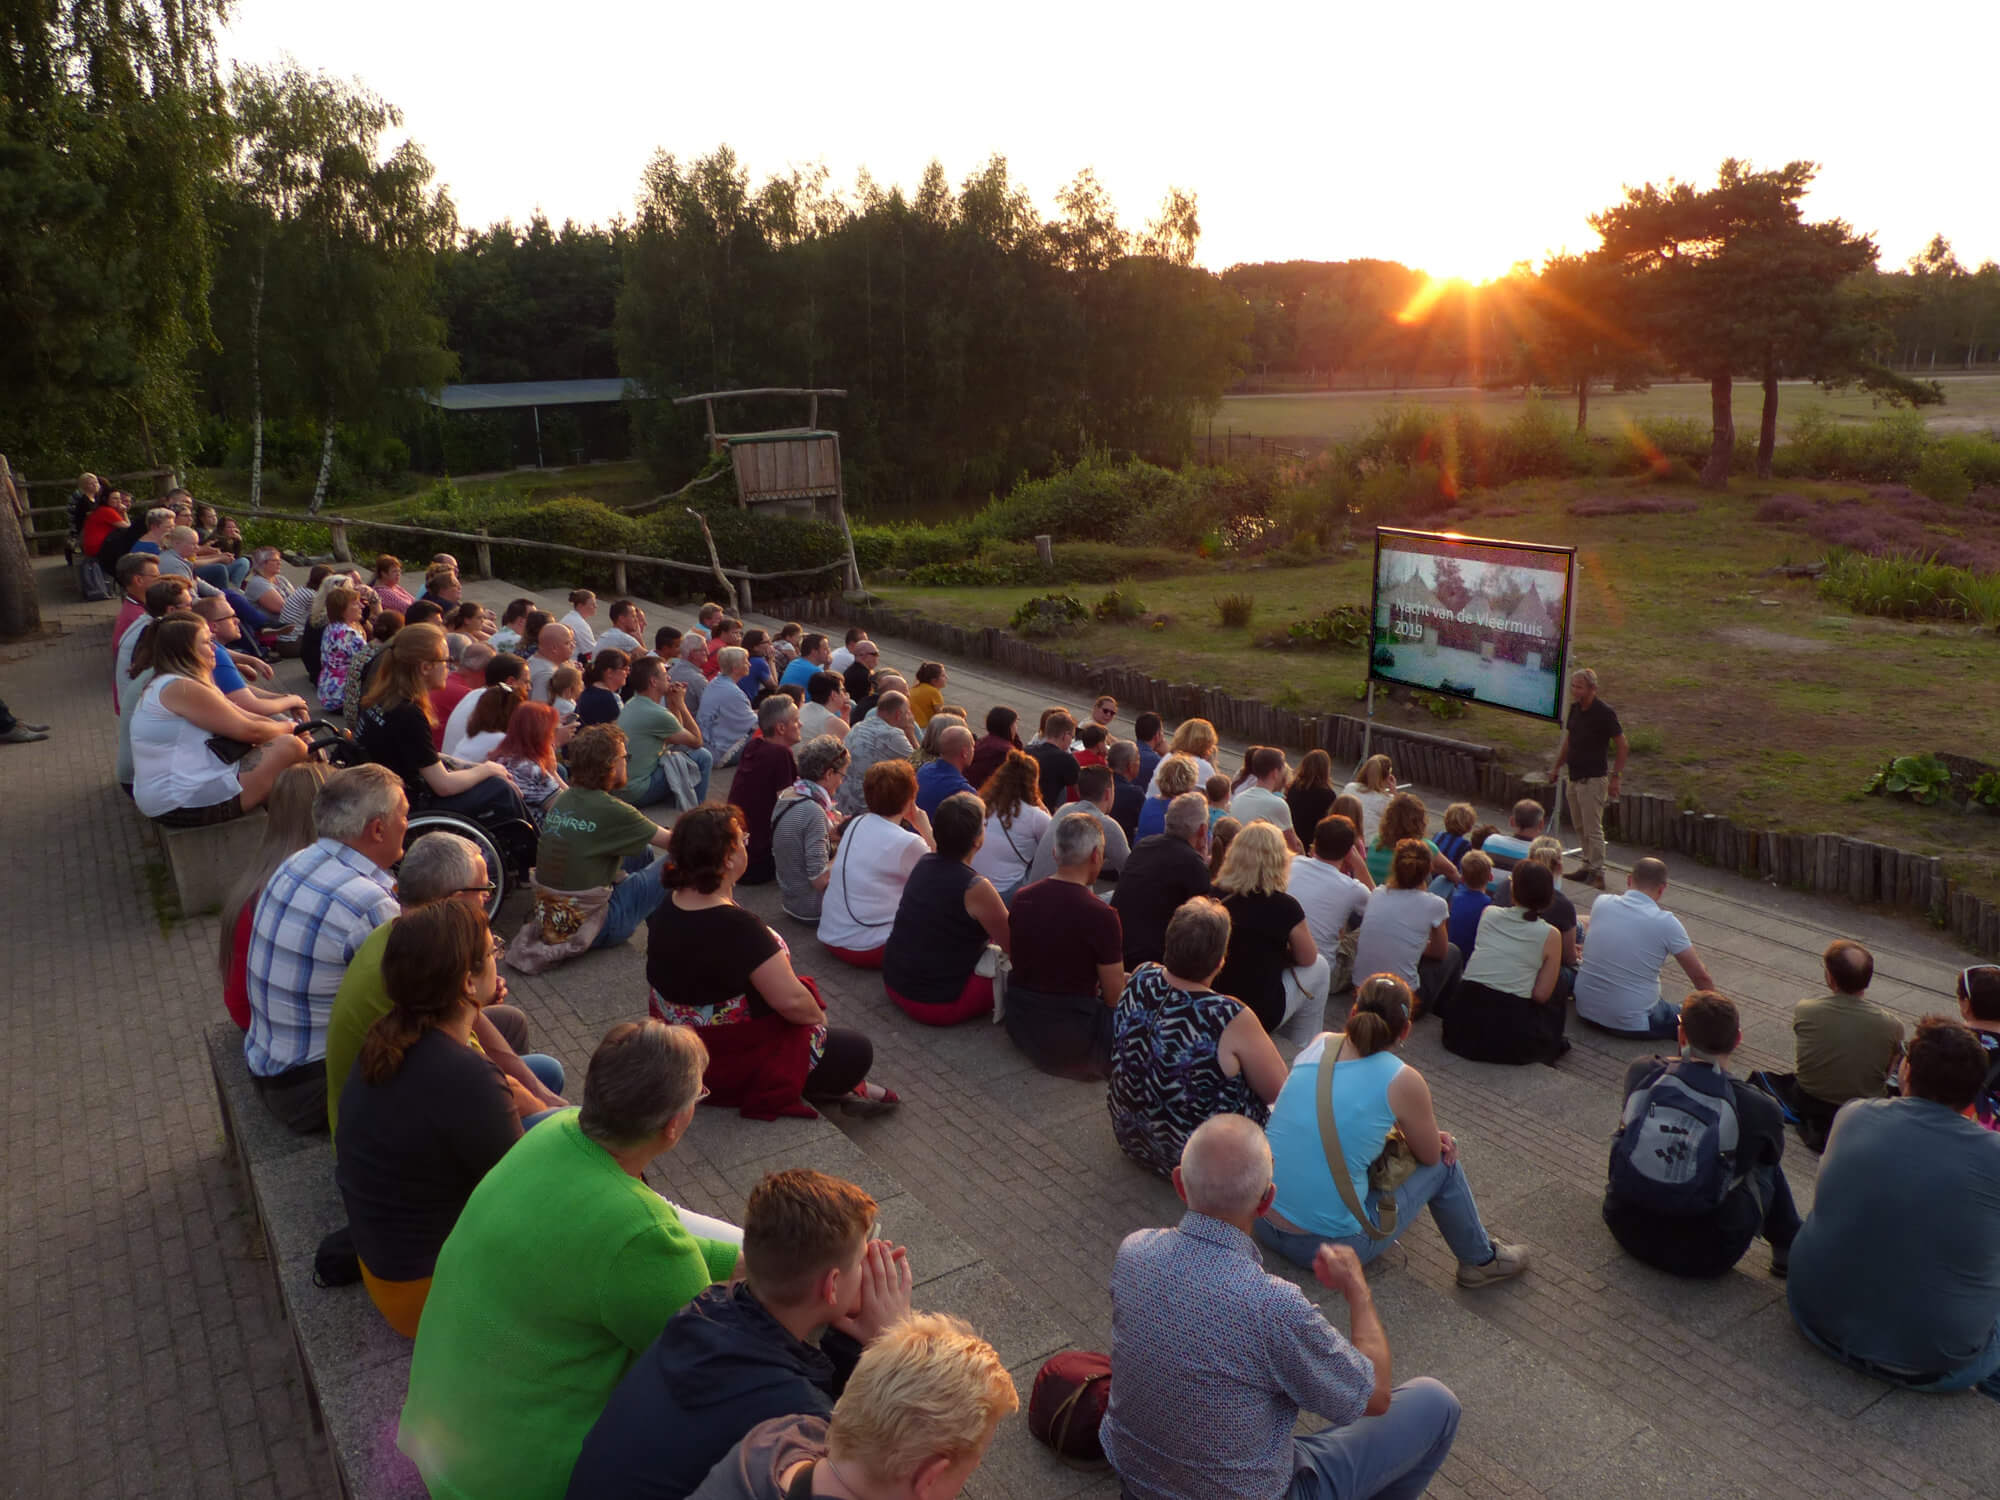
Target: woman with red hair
[{"x": 528, "y": 752}]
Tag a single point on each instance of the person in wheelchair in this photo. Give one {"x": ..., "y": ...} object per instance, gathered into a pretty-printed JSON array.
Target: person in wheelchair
[{"x": 395, "y": 731}]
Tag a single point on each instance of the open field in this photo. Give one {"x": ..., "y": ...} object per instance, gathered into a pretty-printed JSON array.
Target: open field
[
  {"x": 1316, "y": 418},
  {"x": 1744, "y": 693}
]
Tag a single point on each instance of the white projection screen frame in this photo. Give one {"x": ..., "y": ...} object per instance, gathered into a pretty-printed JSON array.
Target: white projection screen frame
[{"x": 1472, "y": 617}]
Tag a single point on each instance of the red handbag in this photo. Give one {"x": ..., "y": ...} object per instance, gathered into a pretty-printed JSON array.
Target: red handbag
[{"x": 1066, "y": 1408}]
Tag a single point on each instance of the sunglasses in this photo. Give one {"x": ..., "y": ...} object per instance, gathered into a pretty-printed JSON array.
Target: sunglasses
[{"x": 1965, "y": 976}]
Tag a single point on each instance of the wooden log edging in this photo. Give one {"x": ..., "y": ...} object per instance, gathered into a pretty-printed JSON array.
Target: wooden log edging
[{"x": 1829, "y": 864}]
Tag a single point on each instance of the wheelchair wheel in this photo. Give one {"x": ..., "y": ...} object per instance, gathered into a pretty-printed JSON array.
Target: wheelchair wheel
[{"x": 422, "y": 823}]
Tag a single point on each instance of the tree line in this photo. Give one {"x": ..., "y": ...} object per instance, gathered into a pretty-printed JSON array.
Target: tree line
[{"x": 187, "y": 251}]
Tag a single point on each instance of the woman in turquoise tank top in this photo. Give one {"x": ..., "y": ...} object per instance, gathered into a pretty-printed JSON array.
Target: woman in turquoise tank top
[{"x": 1373, "y": 1092}]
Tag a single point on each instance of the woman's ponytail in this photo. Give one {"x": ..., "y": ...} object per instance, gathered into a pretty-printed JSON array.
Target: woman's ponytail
[{"x": 1380, "y": 1014}]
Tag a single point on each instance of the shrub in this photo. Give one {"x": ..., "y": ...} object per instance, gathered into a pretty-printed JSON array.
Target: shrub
[
  {"x": 1235, "y": 610},
  {"x": 1393, "y": 494},
  {"x": 1910, "y": 587},
  {"x": 1116, "y": 608},
  {"x": 304, "y": 537},
  {"x": 1346, "y": 626},
  {"x": 1940, "y": 476},
  {"x": 1049, "y": 615},
  {"x": 1985, "y": 789},
  {"x": 1919, "y": 778},
  {"x": 971, "y": 574},
  {"x": 1633, "y": 505}
]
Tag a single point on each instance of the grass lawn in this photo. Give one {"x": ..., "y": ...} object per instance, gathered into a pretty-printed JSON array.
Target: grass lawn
[
  {"x": 1742, "y": 693},
  {"x": 1316, "y": 418}
]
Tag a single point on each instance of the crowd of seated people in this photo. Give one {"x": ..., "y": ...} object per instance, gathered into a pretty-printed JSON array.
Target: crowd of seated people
[{"x": 974, "y": 873}]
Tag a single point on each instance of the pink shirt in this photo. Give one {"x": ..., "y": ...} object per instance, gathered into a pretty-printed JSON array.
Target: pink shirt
[{"x": 395, "y": 596}]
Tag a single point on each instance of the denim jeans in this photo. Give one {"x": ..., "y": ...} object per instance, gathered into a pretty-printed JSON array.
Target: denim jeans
[
  {"x": 655, "y": 789},
  {"x": 1443, "y": 1189},
  {"x": 229, "y": 575},
  {"x": 1390, "y": 1457},
  {"x": 632, "y": 900},
  {"x": 1662, "y": 1021}
]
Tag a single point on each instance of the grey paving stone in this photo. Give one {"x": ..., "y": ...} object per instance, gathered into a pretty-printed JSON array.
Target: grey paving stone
[
  {"x": 1709, "y": 1308},
  {"x": 935, "y": 1251},
  {"x": 363, "y": 1404},
  {"x": 1959, "y": 1433},
  {"x": 1560, "y": 1218},
  {"x": 1769, "y": 1342},
  {"x": 832, "y": 1152},
  {"x": 1650, "y": 1464},
  {"x": 1018, "y": 1466},
  {"x": 727, "y": 1139},
  {"x": 1017, "y": 1329},
  {"x": 1536, "y": 1418}
]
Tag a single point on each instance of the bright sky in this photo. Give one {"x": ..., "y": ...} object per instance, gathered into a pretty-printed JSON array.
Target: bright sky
[{"x": 1457, "y": 138}]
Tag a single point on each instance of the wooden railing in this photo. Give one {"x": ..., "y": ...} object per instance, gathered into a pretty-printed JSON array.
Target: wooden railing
[{"x": 483, "y": 542}]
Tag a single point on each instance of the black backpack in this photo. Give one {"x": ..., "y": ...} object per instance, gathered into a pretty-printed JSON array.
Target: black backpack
[{"x": 1677, "y": 1146}]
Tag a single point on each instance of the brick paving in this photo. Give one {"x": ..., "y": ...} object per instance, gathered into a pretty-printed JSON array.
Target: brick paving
[{"x": 147, "y": 1356}]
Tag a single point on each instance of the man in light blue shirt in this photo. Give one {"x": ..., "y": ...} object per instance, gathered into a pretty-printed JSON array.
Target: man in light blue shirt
[
  {"x": 815, "y": 651},
  {"x": 1631, "y": 936},
  {"x": 1507, "y": 850}
]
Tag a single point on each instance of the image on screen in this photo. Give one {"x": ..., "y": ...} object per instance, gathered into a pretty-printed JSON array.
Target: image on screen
[{"x": 1482, "y": 620}]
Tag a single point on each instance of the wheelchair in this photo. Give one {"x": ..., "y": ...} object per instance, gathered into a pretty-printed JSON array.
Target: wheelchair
[{"x": 507, "y": 844}]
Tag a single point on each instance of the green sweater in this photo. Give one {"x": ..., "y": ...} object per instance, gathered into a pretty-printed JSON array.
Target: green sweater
[
  {"x": 561, "y": 1270},
  {"x": 362, "y": 1001}
]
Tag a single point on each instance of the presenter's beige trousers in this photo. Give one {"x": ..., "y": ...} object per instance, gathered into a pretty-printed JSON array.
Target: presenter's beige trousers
[{"x": 1586, "y": 811}]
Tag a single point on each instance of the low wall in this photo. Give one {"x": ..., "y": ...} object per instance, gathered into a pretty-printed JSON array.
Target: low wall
[{"x": 1826, "y": 863}]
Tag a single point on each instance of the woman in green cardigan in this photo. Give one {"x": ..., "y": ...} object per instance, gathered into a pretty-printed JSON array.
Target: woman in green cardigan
[{"x": 562, "y": 1268}]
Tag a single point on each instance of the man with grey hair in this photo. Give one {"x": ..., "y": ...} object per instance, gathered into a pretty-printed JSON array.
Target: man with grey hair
[
  {"x": 1093, "y": 800},
  {"x": 553, "y": 648},
  {"x": 686, "y": 669},
  {"x": 1068, "y": 951},
  {"x": 1590, "y": 735},
  {"x": 1128, "y": 790},
  {"x": 316, "y": 910},
  {"x": 886, "y": 734},
  {"x": 1165, "y": 870},
  {"x": 1213, "y": 1358},
  {"x": 766, "y": 769},
  {"x": 437, "y": 867}
]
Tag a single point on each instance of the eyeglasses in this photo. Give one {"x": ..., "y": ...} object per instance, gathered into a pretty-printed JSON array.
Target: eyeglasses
[{"x": 477, "y": 890}]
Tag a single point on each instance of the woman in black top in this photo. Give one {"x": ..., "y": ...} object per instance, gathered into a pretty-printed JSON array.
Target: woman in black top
[
  {"x": 424, "y": 1115},
  {"x": 599, "y": 702},
  {"x": 715, "y": 967},
  {"x": 944, "y": 924},
  {"x": 395, "y": 730},
  {"x": 1274, "y": 967}
]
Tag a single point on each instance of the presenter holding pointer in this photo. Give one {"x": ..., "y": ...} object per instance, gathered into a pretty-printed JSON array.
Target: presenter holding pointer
[{"x": 1592, "y": 732}]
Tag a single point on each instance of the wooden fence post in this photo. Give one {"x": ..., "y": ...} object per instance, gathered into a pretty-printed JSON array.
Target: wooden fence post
[
  {"x": 482, "y": 552},
  {"x": 339, "y": 529},
  {"x": 1045, "y": 551},
  {"x": 618, "y": 577}
]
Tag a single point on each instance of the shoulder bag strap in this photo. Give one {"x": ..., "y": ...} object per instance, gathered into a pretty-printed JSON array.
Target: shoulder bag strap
[
  {"x": 1329, "y": 1140},
  {"x": 840, "y": 860}
]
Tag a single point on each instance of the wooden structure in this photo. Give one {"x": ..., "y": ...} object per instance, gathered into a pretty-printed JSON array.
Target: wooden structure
[{"x": 785, "y": 470}]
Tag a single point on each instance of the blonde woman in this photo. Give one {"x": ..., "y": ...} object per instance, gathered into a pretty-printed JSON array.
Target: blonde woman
[
  {"x": 1196, "y": 740},
  {"x": 1175, "y": 775},
  {"x": 1274, "y": 966},
  {"x": 1374, "y": 784}
]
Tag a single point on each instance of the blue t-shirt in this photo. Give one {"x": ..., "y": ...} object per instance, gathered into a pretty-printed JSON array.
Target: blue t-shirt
[
  {"x": 938, "y": 780},
  {"x": 228, "y": 676},
  {"x": 1899, "y": 1262},
  {"x": 1463, "y": 924},
  {"x": 1152, "y": 817},
  {"x": 799, "y": 673},
  {"x": 151, "y": 549}
]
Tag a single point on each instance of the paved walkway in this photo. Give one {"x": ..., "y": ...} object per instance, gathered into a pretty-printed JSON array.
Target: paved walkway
[{"x": 145, "y": 1356}]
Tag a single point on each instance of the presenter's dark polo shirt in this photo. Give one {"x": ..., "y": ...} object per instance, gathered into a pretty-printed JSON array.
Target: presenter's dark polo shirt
[{"x": 1591, "y": 731}]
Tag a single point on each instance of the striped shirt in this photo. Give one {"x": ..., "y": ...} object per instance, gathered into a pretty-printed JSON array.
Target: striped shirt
[
  {"x": 1212, "y": 1359},
  {"x": 316, "y": 910}
]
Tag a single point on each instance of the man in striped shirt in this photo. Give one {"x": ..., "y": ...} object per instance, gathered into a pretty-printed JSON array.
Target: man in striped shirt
[{"x": 314, "y": 914}]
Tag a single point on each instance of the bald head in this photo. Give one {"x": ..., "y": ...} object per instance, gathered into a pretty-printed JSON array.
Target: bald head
[
  {"x": 1649, "y": 875},
  {"x": 555, "y": 642},
  {"x": 476, "y": 656},
  {"x": 893, "y": 707},
  {"x": 955, "y": 745},
  {"x": 1225, "y": 1168}
]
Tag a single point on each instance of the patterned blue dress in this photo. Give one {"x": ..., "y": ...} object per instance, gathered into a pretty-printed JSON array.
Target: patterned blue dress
[{"x": 1165, "y": 1079}]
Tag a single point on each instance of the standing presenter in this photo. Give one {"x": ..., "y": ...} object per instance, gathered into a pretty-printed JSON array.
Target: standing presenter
[{"x": 1592, "y": 732}]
